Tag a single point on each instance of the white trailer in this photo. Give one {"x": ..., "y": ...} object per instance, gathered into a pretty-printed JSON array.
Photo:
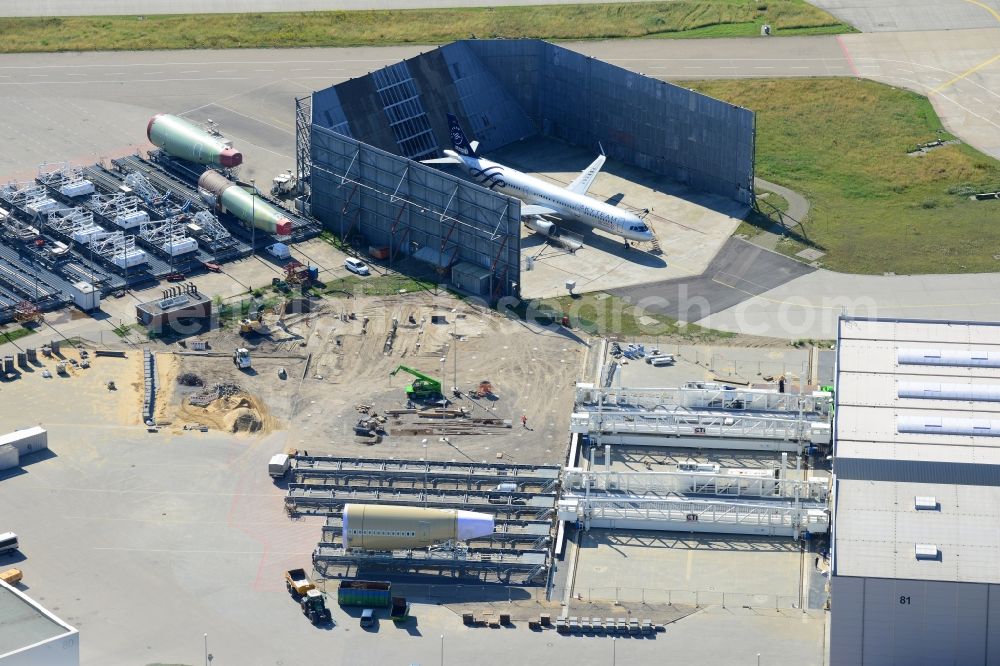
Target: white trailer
[
  {"x": 9, "y": 456},
  {"x": 28, "y": 440},
  {"x": 279, "y": 465}
]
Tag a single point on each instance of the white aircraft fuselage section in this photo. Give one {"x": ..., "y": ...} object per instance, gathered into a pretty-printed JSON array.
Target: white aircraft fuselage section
[{"x": 566, "y": 204}]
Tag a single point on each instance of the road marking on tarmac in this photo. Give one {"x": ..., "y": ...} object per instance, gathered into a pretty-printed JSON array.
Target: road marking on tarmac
[{"x": 973, "y": 70}]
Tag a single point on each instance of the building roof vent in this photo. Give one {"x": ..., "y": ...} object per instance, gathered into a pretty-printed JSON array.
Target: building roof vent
[
  {"x": 925, "y": 503},
  {"x": 926, "y": 551},
  {"x": 937, "y": 425},
  {"x": 936, "y": 391},
  {"x": 976, "y": 358}
]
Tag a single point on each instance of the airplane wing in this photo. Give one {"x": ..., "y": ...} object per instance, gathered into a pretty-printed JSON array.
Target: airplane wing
[
  {"x": 533, "y": 211},
  {"x": 442, "y": 160},
  {"x": 586, "y": 178}
]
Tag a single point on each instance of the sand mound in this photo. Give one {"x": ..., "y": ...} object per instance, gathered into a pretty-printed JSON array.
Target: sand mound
[{"x": 236, "y": 413}]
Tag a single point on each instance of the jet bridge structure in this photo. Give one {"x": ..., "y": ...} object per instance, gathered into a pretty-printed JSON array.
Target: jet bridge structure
[
  {"x": 757, "y": 501},
  {"x": 358, "y": 146},
  {"x": 703, "y": 415}
]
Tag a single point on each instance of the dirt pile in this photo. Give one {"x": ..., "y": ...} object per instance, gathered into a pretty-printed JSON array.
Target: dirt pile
[
  {"x": 243, "y": 419},
  {"x": 190, "y": 379},
  {"x": 219, "y": 391},
  {"x": 228, "y": 407}
]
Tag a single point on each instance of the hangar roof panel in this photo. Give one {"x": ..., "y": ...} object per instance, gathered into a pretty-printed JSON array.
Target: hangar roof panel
[
  {"x": 879, "y": 526},
  {"x": 24, "y": 623},
  {"x": 917, "y": 416}
]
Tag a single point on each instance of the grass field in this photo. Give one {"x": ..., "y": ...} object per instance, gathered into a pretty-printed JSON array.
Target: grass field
[
  {"x": 681, "y": 18},
  {"x": 12, "y": 334},
  {"x": 843, "y": 144},
  {"x": 599, "y": 313}
]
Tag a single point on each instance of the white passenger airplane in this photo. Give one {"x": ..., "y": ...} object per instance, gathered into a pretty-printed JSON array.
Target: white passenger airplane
[{"x": 544, "y": 199}]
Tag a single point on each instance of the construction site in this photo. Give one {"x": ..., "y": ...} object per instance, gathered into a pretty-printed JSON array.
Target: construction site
[{"x": 315, "y": 391}]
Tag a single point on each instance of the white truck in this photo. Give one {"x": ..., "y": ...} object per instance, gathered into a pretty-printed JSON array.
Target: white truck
[
  {"x": 279, "y": 465},
  {"x": 241, "y": 358},
  {"x": 284, "y": 184}
]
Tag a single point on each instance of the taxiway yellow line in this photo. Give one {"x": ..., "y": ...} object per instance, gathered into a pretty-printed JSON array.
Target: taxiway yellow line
[{"x": 978, "y": 67}]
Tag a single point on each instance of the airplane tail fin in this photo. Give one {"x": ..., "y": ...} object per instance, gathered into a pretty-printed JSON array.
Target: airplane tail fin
[{"x": 458, "y": 140}]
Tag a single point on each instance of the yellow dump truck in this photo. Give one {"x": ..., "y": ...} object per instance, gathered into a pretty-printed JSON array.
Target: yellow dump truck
[
  {"x": 297, "y": 582},
  {"x": 310, "y": 599}
]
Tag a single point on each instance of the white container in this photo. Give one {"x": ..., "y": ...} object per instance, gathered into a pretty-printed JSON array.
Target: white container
[
  {"x": 28, "y": 440},
  {"x": 85, "y": 296},
  {"x": 42, "y": 206},
  {"x": 180, "y": 246},
  {"x": 77, "y": 188},
  {"x": 9, "y": 456},
  {"x": 132, "y": 220},
  {"x": 87, "y": 234},
  {"x": 130, "y": 259}
]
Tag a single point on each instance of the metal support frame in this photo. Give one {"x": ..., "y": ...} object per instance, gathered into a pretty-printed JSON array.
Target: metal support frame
[
  {"x": 347, "y": 201},
  {"x": 742, "y": 483},
  {"x": 347, "y": 171},
  {"x": 499, "y": 252},
  {"x": 404, "y": 237},
  {"x": 399, "y": 228},
  {"x": 740, "y": 400},
  {"x": 402, "y": 179},
  {"x": 303, "y": 132},
  {"x": 684, "y": 514},
  {"x": 500, "y": 220}
]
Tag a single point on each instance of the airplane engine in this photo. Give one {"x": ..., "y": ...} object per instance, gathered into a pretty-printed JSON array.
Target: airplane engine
[{"x": 542, "y": 226}]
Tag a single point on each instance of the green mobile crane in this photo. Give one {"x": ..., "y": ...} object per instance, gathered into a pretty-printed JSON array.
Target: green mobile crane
[{"x": 424, "y": 387}]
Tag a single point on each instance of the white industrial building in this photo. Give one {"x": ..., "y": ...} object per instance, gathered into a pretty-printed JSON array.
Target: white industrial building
[
  {"x": 916, "y": 533},
  {"x": 31, "y": 635}
]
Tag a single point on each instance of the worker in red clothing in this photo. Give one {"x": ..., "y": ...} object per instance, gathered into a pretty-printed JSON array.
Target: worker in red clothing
[{"x": 524, "y": 421}]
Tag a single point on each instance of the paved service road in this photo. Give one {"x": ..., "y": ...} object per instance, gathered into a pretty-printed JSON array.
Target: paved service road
[
  {"x": 128, "y": 7},
  {"x": 808, "y": 306},
  {"x": 738, "y": 272},
  {"x": 85, "y": 106},
  {"x": 82, "y": 107},
  {"x": 909, "y": 15},
  {"x": 936, "y": 64}
]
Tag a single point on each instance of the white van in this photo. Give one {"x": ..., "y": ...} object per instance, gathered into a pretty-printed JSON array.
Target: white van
[
  {"x": 279, "y": 251},
  {"x": 506, "y": 488},
  {"x": 660, "y": 361},
  {"x": 356, "y": 266},
  {"x": 8, "y": 541}
]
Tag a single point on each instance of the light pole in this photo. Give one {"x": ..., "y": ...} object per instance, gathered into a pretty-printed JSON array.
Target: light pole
[
  {"x": 454, "y": 335},
  {"x": 206, "y": 649},
  {"x": 423, "y": 443},
  {"x": 442, "y": 649},
  {"x": 614, "y": 650},
  {"x": 253, "y": 215}
]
